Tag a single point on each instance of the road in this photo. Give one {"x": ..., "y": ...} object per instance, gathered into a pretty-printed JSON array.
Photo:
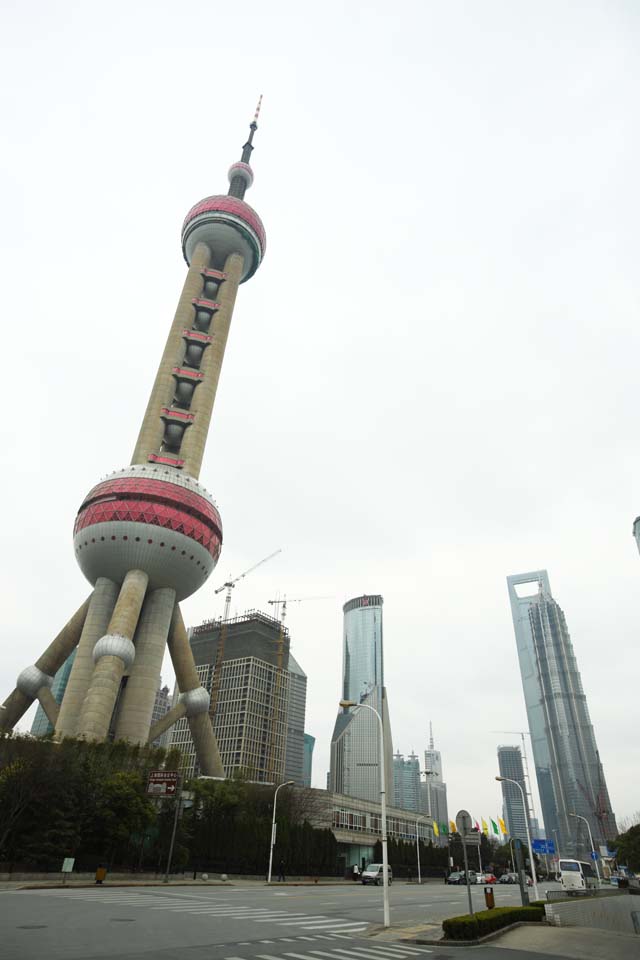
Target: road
[{"x": 243, "y": 922}]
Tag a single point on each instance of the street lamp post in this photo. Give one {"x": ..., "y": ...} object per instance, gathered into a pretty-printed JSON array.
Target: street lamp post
[
  {"x": 526, "y": 823},
  {"x": 418, "y": 854},
  {"x": 288, "y": 783},
  {"x": 593, "y": 849},
  {"x": 383, "y": 806}
]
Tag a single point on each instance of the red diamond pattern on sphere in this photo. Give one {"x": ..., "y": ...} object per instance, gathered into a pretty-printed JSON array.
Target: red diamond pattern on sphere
[{"x": 157, "y": 503}]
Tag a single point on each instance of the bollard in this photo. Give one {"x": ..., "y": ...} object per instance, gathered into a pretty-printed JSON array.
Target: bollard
[
  {"x": 489, "y": 898},
  {"x": 101, "y": 873}
]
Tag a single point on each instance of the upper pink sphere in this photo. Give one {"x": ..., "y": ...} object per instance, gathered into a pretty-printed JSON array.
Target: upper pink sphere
[{"x": 227, "y": 225}]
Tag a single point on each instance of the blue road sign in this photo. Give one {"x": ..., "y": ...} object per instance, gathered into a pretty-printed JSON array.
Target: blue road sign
[
  {"x": 594, "y": 854},
  {"x": 543, "y": 846}
]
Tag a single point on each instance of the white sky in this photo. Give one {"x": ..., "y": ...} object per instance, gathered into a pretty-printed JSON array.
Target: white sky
[{"x": 431, "y": 382}]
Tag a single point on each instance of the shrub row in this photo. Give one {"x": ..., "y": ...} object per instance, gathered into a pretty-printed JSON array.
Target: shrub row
[{"x": 471, "y": 928}]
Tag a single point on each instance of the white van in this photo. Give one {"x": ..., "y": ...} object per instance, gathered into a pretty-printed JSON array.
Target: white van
[
  {"x": 577, "y": 876},
  {"x": 373, "y": 874}
]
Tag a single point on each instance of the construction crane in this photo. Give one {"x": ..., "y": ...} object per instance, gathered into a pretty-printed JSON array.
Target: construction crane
[
  {"x": 230, "y": 584},
  {"x": 275, "y": 712},
  {"x": 222, "y": 639}
]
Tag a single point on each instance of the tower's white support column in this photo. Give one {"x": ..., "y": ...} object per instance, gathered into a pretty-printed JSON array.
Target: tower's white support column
[
  {"x": 103, "y": 600},
  {"x": 204, "y": 740},
  {"x": 112, "y": 654},
  {"x": 136, "y": 705},
  {"x": 33, "y": 678}
]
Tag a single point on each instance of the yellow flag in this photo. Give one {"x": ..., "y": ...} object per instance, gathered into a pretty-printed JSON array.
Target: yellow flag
[
  {"x": 436, "y": 829},
  {"x": 502, "y": 825},
  {"x": 485, "y": 827},
  {"x": 452, "y": 827}
]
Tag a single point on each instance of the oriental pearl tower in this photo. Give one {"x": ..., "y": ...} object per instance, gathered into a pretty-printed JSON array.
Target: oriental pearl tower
[{"x": 149, "y": 535}]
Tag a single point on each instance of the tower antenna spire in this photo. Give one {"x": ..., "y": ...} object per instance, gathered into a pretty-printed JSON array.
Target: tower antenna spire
[
  {"x": 431, "y": 747},
  {"x": 241, "y": 174}
]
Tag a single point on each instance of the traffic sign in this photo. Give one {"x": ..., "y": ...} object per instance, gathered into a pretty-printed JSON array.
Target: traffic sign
[
  {"x": 163, "y": 783},
  {"x": 594, "y": 854},
  {"x": 543, "y": 846},
  {"x": 464, "y": 823}
]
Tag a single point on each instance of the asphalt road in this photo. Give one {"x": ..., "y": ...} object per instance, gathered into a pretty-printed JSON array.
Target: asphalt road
[{"x": 231, "y": 923}]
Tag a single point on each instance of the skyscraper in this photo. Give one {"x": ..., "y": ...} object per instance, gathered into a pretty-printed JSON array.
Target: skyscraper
[
  {"x": 433, "y": 792},
  {"x": 296, "y": 713},
  {"x": 42, "y": 726},
  {"x": 406, "y": 782},
  {"x": 355, "y": 752},
  {"x": 253, "y": 709},
  {"x": 510, "y": 765},
  {"x": 149, "y": 535},
  {"x": 309, "y": 744},
  {"x": 568, "y": 768}
]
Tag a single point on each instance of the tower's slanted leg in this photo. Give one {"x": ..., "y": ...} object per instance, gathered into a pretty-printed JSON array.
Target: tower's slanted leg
[
  {"x": 176, "y": 713},
  {"x": 113, "y": 654},
  {"x": 34, "y": 678},
  {"x": 195, "y": 699},
  {"x": 136, "y": 704},
  {"x": 103, "y": 600}
]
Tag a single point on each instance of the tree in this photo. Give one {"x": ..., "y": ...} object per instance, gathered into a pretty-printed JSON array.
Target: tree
[{"x": 628, "y": 846}]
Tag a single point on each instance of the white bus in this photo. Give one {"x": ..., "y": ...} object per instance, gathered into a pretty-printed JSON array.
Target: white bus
[{"x": 577, "y": 875}]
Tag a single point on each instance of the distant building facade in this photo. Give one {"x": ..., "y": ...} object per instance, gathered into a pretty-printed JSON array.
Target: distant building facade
[
  {"x": 294, "y": 762},
  {"x": 161, "y": 706},
  {"x": 514, "y": 811},
  {"x": 253, "y": 710},
  {"x": 568, "y": 768},
  {"x": 307, "y": 769},
  {"x": 41, "y": 726},
  {"x": 355, "y": 751},
  {"x": 406, "y": 782},
  {"x": 433, "y": 792}
]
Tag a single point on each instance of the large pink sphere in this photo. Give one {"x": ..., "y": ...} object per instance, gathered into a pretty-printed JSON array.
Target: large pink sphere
[
  {"x": 143, "y": 518},
  {"x": 227, "y": 225}
]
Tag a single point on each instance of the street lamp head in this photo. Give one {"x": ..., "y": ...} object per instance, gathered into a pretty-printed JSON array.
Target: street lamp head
[
  {"x": 348, "y": 703},
  {"x": 573, "y": 815},
  {"x": 500, "y": 778},
  {"x": 288, "y": 783}
]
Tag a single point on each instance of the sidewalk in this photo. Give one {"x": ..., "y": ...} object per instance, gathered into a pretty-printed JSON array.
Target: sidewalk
[
  {"x": 575, "y": 943},
  {"x": 55, "y": 884}
]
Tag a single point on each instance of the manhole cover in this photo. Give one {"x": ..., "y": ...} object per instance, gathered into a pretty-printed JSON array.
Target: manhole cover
[{"x": 33, "y": 926}]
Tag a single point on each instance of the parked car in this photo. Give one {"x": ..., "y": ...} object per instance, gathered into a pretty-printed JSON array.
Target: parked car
[
  {"x": 374, "y": 874},
  {"x": 455, "y": 877},
  {"x": 490, "y": 878},
  {"x": 508, "y": 878}
]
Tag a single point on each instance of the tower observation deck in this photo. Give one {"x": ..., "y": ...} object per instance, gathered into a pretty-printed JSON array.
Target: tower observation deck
[{"x": 149, "y": 535}]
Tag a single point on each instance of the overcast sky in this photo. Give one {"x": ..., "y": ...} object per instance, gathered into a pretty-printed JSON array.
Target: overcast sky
[{"x": 430, "y": 383}]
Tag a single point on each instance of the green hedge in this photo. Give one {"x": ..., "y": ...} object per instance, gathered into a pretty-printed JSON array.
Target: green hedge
[{"x": 471, "y": 928}]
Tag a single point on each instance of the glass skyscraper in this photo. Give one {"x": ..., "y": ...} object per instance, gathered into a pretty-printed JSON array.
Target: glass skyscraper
[
  {"x": 568, "y": 768},
  {"x": 355, "y": 755},
  {"x": 510, "y": 765}
]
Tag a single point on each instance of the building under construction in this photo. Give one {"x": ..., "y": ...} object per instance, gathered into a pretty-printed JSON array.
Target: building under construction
[{"x": 258, "y": 698}]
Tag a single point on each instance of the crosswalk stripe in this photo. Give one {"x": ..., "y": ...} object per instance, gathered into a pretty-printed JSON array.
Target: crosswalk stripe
[
  {"x": 374, "y": 952},
  {"x": 267, "y": 956},
  {"x": 386, "y": 951},
  {"x": 383, "y": 952},
  {"x": 299, "y": 956},
  {"x": 302, "y": 920},
  {"x": 344, "y": 926},
  {"x": 407, "y": 949}
]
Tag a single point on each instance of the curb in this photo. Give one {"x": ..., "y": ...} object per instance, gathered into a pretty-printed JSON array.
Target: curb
[{"x": 494, "y": 935}]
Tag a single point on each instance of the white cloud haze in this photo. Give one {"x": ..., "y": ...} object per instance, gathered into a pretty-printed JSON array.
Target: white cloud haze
[{"x": 431, "y": 382}]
